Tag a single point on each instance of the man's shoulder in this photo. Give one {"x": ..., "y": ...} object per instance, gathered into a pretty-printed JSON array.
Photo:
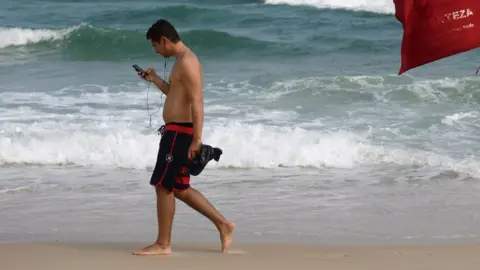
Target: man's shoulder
[
  {"x": 190, "y": 62},
  {"x": 190, "y": 58}
]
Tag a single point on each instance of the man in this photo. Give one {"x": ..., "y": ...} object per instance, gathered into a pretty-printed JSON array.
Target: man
[{"x": 181, "y": 139}]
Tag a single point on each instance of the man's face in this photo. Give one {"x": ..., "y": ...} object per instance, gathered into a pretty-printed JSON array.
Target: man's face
[{"x": 161, "y": 47}]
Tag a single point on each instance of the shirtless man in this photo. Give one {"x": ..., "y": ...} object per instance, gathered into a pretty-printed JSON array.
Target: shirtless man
[{"x": 181, "y": 139}]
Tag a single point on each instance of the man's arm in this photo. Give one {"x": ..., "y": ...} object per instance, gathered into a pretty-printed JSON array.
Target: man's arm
[
  {"x": 192, "y": 79},
  {"x": 161, "y": 84}
]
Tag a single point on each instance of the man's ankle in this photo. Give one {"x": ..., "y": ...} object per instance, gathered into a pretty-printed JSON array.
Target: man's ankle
[
  {"x": 162, "y": 244},
  {"x": 222, "y": 224}
]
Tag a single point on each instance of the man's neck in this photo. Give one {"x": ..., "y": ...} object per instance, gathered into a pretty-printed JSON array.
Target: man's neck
[{"x": 179, "y": 49}]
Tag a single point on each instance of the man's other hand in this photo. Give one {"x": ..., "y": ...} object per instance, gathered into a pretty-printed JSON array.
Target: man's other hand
[{"x": 194, "y": 149}]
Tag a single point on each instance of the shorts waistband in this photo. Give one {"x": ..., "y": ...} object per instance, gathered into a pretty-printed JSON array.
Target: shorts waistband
[{"x": 186, "y": 128}]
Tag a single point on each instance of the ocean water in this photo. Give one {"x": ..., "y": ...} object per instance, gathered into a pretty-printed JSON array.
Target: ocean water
[{"x": 322, "y": 140}]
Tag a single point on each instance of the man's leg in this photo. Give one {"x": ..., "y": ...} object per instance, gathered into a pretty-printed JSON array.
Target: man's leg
[
  {"x": 197, "y": 201},
  {"x": 165, "y": 214}
]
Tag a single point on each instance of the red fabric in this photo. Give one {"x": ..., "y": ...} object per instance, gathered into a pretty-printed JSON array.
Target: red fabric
[
  {"x": 435, "y": 29},
  {"x": 182, "y": 180}
]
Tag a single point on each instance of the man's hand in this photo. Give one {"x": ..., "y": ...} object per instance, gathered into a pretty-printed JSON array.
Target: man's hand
[
  {"x": 150, "y": 75},
  {"x": 194, "y": 148}
]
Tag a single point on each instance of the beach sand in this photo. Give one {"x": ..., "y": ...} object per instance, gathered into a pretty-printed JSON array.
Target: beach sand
[{"x": 75, "y": 256}]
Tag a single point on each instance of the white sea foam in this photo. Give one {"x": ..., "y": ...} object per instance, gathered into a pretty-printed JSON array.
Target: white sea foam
[
  {"x": 244, "y": 146},
  {"x": 16, "y": 36},
  {"x": 378, "y": 6}
]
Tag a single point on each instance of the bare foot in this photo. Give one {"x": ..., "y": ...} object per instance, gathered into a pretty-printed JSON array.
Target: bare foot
[
  {"x": 226, "y": 232},
  {"x": 154, "y": 249}
]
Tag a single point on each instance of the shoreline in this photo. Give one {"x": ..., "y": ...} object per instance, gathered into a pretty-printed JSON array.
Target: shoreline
[{"x": 187, "y": 255}]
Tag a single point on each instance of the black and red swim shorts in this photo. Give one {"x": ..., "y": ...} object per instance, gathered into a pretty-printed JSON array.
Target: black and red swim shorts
[{"x": 171, "y": 169}]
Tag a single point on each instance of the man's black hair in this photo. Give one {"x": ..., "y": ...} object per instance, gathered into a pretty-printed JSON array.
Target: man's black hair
[{"x": 163, "y": 28}]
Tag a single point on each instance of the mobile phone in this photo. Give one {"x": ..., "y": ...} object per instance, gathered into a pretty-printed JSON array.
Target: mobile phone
[{"x": 139, "y": 69}]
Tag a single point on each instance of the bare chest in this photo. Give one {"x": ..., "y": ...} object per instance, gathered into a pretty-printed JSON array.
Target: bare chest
[
  {"x": 177, "y": 105},
  {"x": 177, "y": 90}
]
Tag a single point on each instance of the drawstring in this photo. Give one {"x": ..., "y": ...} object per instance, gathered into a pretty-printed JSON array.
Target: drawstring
[{"x": 161, "y": 130}]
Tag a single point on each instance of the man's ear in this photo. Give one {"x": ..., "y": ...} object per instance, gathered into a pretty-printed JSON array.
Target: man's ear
[{"x": 164, "y": 40}]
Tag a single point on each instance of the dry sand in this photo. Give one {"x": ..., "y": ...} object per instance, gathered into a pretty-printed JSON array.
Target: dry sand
[{"x": 19, "y": 256}]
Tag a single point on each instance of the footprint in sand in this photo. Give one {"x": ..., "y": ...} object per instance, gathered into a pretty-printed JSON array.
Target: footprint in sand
[
  {"x": 327, "y": 256},
  {"x": 410, "y": 253},
  {"x": 236, "y": 252},
  {"x": 395, "y": 252}
]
